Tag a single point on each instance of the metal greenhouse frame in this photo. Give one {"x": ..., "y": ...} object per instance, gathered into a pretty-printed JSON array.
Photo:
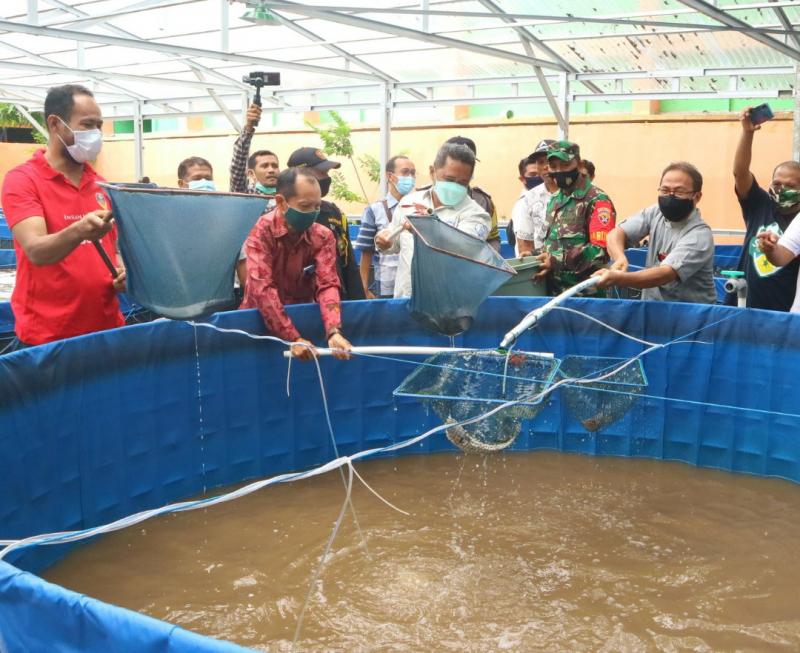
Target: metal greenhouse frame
[{"x": 166, "y": 58}]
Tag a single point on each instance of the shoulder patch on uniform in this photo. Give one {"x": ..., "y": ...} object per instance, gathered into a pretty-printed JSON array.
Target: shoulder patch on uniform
[
  {"x": 603, "y": 211},
  {"x": 601, "y": 222}
]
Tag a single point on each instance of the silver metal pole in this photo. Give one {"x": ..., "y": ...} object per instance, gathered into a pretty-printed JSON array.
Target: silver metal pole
[
  {"x": 563, "y": 104},
  {"x": 138, "y": 149},
  {"x": 33, "y": 12},
  {"x": 796, "y": 116},
  {"x": 224, "y": 43},
  {"x": 385, "y": 134}
]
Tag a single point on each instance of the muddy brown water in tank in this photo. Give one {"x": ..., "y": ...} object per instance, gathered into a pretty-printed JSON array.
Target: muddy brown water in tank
[{"x": 518, "y": 552}]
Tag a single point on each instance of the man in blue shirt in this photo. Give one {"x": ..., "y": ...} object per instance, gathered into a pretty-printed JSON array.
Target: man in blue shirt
[{"x": 401, "y": 177}]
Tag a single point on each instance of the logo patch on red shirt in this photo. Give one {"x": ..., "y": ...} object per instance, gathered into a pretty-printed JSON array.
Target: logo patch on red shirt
[{"x": 101, "y": 200}]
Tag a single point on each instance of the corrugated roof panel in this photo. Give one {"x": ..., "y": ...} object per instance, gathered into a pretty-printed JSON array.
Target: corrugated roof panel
[{"x": 649, "y": 35}]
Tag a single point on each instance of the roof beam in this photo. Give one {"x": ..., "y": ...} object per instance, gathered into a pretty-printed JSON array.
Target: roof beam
[
  {"x": 87, "y": 20},
  {"x": 622, "y": 19},
  {"x": 726, "y": 19},
  {"x": 787, "y": 25},
  {"x": 340, "y": 52},
  {"x": 396, "y": 30},
  {"x": 164, "y": 48},
  {"x": 54, "y": 69},
  {"x": 525, "y": 35},
  {"x": 48, "y": 62},
  {"x": 126, "y": 34},
  {"x": 29, "y": 117},
  {"x": 528, "y": 40},
  {"x": 222, "y": 106}
]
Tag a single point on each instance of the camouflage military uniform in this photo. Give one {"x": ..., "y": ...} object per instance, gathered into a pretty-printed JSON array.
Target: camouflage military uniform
[
  {"x": 576, "y": 240},
  {"x": 580, "y": 219}
]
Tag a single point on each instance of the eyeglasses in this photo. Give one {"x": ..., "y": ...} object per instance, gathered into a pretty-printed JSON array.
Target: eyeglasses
[
  {"x": 779, "y": 187},
  {"x": 680, "y": 193}
]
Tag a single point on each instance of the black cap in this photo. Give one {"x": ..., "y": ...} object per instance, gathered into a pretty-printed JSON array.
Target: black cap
[
  {"x": 543, "y": 146},
  {"x": 311, "y": 157},
  {"x": 463, "y": 140}
]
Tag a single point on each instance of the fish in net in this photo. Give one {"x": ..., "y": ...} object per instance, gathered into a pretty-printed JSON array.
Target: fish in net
[
  {"x": 463, "y": 385},
  {"x": 180, "y": 246},
  {"x": 452, "y": 273},
  {"x": 599, "y": 403}
]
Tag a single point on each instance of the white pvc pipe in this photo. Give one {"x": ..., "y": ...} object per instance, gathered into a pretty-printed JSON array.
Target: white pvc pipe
[
  {"x": 535, "y": 315},
  {"x": 390, "y": 350},
  {"x": 387, "y": 351}
]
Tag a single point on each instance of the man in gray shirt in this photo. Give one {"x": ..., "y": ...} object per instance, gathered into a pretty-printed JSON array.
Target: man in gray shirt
[{"x": 680, "y": 254}]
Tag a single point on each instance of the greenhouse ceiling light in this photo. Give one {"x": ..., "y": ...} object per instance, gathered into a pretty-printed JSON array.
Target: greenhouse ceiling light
[{"x": 260, "y": 15}]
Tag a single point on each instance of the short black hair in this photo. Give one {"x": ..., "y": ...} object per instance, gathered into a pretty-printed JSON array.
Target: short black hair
[
  {"x": 287, "y": 181},
  {"x": 183, "y": 166},
  {"x": 528, "y": 160},
  {"x": 251, "y": 161},
  {"x": 463, "y": 140},
  {"x": 689, "y": 169},
  {"x": 456, "y": 152},
  {"x": 590, "y": 169},
  {"x": 391, "y": 164},
  {"x": 60, "y": 100}
]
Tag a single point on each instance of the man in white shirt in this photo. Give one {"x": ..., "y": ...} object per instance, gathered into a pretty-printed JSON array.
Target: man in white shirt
[
  {"x": 528, "y": 177},
  {"x": 783, "y": 250},
  {"x": 451, "y": 173},
  {"x": 530, "y": 212}
]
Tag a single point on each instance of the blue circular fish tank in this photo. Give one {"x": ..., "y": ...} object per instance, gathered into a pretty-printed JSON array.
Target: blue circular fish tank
[{"x": 102, "y": 426}]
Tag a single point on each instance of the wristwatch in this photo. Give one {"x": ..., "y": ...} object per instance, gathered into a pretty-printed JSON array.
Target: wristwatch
[{"x": 333, "y": 331}]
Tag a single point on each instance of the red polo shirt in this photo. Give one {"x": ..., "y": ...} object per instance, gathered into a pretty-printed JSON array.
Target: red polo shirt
[{"x": 75, "y": 295}]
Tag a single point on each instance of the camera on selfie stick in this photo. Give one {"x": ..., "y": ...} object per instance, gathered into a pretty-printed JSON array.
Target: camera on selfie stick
[{"x": 259, "y": 80}]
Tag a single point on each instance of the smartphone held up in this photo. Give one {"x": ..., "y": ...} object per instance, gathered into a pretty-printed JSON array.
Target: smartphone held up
[{"x": 760, "y": 114}]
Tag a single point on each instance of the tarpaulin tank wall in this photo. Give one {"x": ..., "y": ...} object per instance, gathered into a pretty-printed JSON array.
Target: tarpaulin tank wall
[{"x": 102, "y": 426}]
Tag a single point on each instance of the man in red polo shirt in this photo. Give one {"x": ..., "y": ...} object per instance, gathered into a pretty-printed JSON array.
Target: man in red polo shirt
[
  {"x": 291, "y": 259},
  {"x": 55, "y": 210}
]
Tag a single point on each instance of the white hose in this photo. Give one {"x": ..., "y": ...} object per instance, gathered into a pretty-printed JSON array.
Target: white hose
[
  {"x": 537, "y": 314},
  {"x": 391, "y": 350}
]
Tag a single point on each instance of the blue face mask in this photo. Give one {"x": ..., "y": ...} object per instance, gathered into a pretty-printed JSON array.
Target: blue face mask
[
  {"x": 202, "y": 184},
  {"x": 405, "y": 185},
  {"x": 449, "y": 192},
  {"x": 300, "y": 220},
  {"x": 265, "y": 190}
]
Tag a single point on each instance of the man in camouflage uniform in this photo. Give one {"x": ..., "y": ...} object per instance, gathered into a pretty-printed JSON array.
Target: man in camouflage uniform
[{"x": 580, "y": 217}]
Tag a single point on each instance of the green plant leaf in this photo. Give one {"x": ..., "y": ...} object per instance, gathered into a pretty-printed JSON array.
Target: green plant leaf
[
  {"x": 341, "y": 191},
  {"x": 372, "y": 167},
  {"x": 10, "y": 116}
]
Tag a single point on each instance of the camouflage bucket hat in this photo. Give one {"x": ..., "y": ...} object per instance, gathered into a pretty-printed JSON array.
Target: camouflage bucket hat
[{"x": 564, "y": 150}]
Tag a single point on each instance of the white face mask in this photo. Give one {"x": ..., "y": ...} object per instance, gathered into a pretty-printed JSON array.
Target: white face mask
[{"x": 87, "y": 146}]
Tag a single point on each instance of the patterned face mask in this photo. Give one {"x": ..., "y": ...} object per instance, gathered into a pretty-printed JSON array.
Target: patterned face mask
[{"x": 785, "y": 198}]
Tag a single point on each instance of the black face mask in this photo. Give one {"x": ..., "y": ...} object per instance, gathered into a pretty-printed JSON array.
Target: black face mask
[
  {"x": 566, "y": 178},
  {"x": 533, "y": 182},
  {"x": 674, "y": 208},
  {"x": 324, "y": 186}
]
